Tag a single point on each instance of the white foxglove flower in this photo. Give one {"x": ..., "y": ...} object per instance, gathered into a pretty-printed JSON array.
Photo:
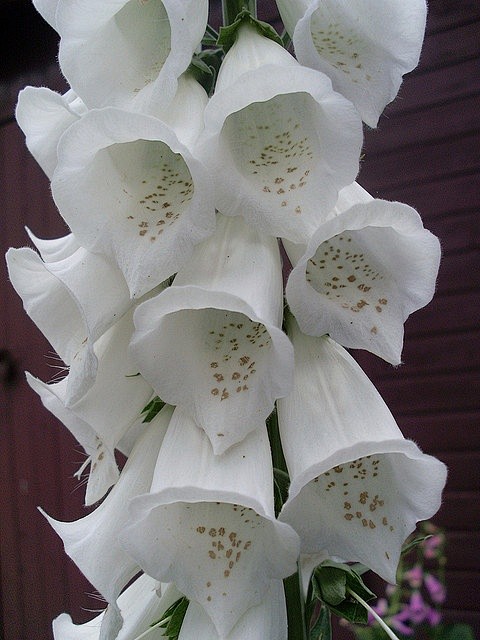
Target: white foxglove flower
[
  {"x": 363, "y": 273},
  {"x": 144, "y": 602},
  {"x": 126, "y": 53},
  {"x": 279, "y": 140},
  {"x": 357, "y": 486},
  {"x": 208, "y": 523},
  {"x": 212, "y": 343},
  {"x": 365, "y": 47},
  {"x": 266, "y": 620},
  {"x": 88, "y": 293},
  {"x": 129, "y": 188},
  {"x": 92, "y": 543},
  {"x": 44, "y": 115},
  {"x": 104, "y": 415}
]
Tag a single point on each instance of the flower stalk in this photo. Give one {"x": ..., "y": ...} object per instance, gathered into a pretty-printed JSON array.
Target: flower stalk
[{"x": 232, "y": 8}]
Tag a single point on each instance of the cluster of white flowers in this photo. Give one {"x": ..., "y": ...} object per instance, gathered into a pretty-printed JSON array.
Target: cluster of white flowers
[{"x": 169, "y": 289}]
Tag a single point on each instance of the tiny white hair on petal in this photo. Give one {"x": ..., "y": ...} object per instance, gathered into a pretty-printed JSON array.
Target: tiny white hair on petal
[
  {"x": 92, "y": 543},
  {"x": 140, "y": 605}
]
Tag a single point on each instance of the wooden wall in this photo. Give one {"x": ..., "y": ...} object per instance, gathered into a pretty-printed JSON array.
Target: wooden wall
[{"x": 426, "y": 153}]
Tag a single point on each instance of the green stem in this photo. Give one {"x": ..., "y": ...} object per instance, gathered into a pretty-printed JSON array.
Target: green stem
[
  {"x": 295, "y": 607},
  {"x": 364, "y": 604},
  {"x": 231, "y": 9},
  {"x": 275, "y": 442}
]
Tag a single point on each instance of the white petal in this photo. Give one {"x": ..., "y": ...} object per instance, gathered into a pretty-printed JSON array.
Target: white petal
[
  {"x": 91, "y": 542},
  {"x": 249, "y": 52},
  {"x": 82, "y": 312},
  {"x": 357, "y": 486},
  {"x": 209, "y": 527},
  {"x": 264, "y": 621},
  {"x": 364, "y": 47},
  {"x": 47, "y": 9},
  {"x": 290, "y": 12},
  {"x": 281, "y": 144},
  {"x": 108, "y": 409},
  {"x": 220, "y": 355},
  {"x": 185, "y": 113},
  {"x": 44, "y": 115},
  {"x": 128, "y": 53},
  {"x": 140, "y": 606},
  {"x": 128, "y": 188},
  {"x": 103, "y": 467},
  {"x": 363, "y": 273},
  {"x": 55, "y": 249}
]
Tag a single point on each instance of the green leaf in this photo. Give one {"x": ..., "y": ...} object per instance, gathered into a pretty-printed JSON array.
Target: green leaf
[
  {"x": 281, "y": 482},
  {"x": 331, "y": 583},
  {"x": 322, "y": 628},
  {"x": 172, "y": 619},
  {"x": 228, "y": 34},
  {"x": 152, "y": 409}
]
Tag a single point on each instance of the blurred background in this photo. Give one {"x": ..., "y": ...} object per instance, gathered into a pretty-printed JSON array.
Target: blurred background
[{"x": 425, "y": 152}]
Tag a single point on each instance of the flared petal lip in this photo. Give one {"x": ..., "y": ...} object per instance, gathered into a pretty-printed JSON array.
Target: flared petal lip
[
  {"x": 360, "y": 450},
  {"x": 100, "y": 128},
  {"x": 401, "y": 218},
  {"x": 263, "y": 84},
  {"x": 143, "y": 504},
  {"x": 178, "y": 298}
]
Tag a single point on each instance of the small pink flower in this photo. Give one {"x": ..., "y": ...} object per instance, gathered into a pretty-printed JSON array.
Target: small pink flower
[
  {"x": 436, "y": 589},
  {"x": 414, "y": 576},
  {"x": 417, "y": 607},
  {"x": 431, "y": 546},
  {"x": 434, "y": 617},
  {"x": 399, "y": 625}
]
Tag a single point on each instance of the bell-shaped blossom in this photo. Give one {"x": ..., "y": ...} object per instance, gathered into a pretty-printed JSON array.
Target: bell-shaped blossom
[
  {"x": 127, "y": 187},
  {"x": 143, "y": 603},
  {"x": 208, "y": 523},
  {"x": 88, "y": 293},
  {"x": 104, "y": 415},
  {"x": 279, "y": 140},
  {"x": 44, "y": 115},
  {"x": 126, "y": 53},
  {"x": 266, "y": 620},
  {"x": 357, "y": 486},
  {"x": 362, "y": 274},
  {"x": 92, "y": 543},
  {"x": 212, "y": 342},
  {"x": 365, "y": 47}
]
